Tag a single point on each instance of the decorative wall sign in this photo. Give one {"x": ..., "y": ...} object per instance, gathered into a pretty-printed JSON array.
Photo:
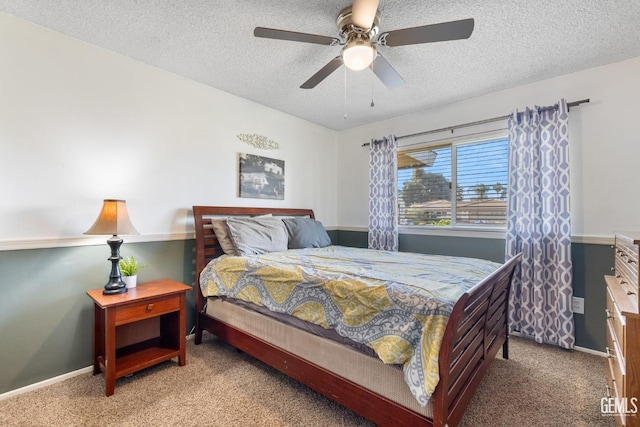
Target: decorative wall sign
[
  {"x": 261, "y": 177},
  {"x": 259, "y": 141}
]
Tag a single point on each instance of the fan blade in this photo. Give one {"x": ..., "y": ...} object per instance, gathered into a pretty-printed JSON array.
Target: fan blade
[
  {"x": 324, "y": 72},
  {"x": 272, "y": 33},
  {"x": 454, "y": 30},
  {"x": 363, "y": 13},
  {"x": 386, "y": 73}
]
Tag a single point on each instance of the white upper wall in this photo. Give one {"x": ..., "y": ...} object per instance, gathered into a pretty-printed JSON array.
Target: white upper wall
[
  {"x": 79, "y": 124},
  {"x": 604, "y": 144}
]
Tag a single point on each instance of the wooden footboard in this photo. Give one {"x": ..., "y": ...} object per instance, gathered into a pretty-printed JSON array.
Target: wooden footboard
[{"x": 475, "y": 332}]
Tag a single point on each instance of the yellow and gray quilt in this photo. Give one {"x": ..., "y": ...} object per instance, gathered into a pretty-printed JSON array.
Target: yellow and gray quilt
[{"x": 396, "y": 303}]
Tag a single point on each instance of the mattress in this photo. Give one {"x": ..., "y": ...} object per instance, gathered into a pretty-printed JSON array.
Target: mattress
[
  {"x": 397, "y": 304},
  {"x": 305, "y": 326},
  {"x": 364, "y": 370}
]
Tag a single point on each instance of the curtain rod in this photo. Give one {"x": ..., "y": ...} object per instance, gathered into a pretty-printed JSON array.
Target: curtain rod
[{"x": 479, "y": 122}]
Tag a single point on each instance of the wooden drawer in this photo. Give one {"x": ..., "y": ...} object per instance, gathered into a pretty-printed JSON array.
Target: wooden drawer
[
  {"x": 612, "y": 385},
  {"x": 615, "y": 320},
  {"x": 150, "y": 308},
  {"x": 616, "y": 361},
  {"x": 613, "y": 390}
]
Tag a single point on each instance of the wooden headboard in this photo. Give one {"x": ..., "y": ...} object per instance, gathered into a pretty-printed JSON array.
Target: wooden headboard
[{"x": 207, "y": 246}]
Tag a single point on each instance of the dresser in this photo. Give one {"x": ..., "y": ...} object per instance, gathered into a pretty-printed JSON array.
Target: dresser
[{"x": 623, "y": 332}]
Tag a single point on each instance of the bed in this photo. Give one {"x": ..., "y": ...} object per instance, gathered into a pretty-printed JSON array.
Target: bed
[{"x": 475, "y": 330}]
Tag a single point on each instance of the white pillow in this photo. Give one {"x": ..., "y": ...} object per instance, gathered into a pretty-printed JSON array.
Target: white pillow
[{"x": 252, "y": 236}]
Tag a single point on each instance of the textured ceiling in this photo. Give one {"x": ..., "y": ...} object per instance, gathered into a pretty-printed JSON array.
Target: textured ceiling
[{"x": 513, "y": 43}]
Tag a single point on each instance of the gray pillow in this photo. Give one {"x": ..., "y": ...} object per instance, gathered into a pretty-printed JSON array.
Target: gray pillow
[
  {"x": 252, "y": 236},
  {"x": 306, "y": 233},
  {"x": 221, "y": 230}
]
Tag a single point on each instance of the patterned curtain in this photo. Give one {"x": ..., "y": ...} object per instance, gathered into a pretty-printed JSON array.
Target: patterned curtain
[
  {"x": 383, "y": 194},
  {"x": 539, "y": 225}
]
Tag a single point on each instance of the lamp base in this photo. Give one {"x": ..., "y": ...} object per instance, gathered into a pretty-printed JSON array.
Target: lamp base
[
  {"x": 115, "y": 288},
  {"x": 115, "y": 285}
]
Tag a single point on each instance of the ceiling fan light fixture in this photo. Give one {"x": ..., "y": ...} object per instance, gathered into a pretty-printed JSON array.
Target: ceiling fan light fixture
[
  {"x": 358, "y": 27},
  {"x": 358, "y": 54}
]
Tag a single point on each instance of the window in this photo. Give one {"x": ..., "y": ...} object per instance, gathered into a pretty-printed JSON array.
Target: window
[{"x": 460, "y": 184}]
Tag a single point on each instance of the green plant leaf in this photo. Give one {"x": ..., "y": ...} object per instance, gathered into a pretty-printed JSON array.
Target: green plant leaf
[{"x": 130, "y": 267}]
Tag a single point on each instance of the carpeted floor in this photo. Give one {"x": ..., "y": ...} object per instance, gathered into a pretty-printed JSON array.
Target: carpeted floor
[{"x": 537, "y": 386}]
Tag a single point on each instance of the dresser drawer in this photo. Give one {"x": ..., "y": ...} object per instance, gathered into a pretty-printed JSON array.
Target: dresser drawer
[
  {"x": 150, "y": 308},
  {"x": 616, "y": 360},
  {"x": 612, "y": 385},
  {"x": 615, "y": 321},
  {"x": 614, "y": 390}
]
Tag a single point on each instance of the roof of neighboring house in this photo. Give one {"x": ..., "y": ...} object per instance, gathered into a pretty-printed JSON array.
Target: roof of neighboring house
[{"x": 485, "y": 204}]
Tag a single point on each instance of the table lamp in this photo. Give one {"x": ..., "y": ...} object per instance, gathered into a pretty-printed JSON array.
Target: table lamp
[{"x": 114, "y": 220}]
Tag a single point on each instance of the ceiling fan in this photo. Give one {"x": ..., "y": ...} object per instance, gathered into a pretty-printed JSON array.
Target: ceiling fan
[{"x": 359, "y": 36}]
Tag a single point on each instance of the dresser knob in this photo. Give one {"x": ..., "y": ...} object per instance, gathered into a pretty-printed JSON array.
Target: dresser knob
[
  {"x": 609, "y": 315},
  {"x": 149, "y": 307},
  {"x": 630, "y": 293},
  {"x": 609, "y": 355}
]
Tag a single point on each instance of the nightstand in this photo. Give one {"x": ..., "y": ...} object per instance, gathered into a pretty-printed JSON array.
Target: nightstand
[{"x": 138, "y": 329}]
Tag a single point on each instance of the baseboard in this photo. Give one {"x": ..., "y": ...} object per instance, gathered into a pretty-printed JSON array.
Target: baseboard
[
  {"x": 590, "y": 351},
  {"x": 45, "y": 383},
  {"x": 50, "y": 381},
  {"x": 576, "y": 348}
]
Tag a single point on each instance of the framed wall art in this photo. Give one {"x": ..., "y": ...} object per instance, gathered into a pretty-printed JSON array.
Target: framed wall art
[{"x": 260, "y": 177}]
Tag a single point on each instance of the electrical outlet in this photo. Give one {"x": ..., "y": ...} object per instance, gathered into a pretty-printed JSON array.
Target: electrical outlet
[{"x": 577, "y": 305}]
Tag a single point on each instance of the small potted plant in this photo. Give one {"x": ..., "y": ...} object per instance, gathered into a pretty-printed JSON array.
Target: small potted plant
[{"x": 129, "y": 268}]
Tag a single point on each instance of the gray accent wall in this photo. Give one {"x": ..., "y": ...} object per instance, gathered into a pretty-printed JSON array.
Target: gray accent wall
[
  {"x": 590, "y": 263},
  {"x": 46, "y": 317}
]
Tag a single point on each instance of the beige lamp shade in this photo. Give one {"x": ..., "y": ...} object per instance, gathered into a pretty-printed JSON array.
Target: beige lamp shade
[{"x": 113, "y": 219}]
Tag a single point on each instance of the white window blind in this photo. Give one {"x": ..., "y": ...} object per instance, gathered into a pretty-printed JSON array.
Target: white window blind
[{"x": 458, "y": 184}]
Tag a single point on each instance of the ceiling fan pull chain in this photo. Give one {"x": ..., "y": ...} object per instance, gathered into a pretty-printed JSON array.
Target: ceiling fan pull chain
[
  {"x": 372, "y": 104},
  {"x": 345, "y": 93}
]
